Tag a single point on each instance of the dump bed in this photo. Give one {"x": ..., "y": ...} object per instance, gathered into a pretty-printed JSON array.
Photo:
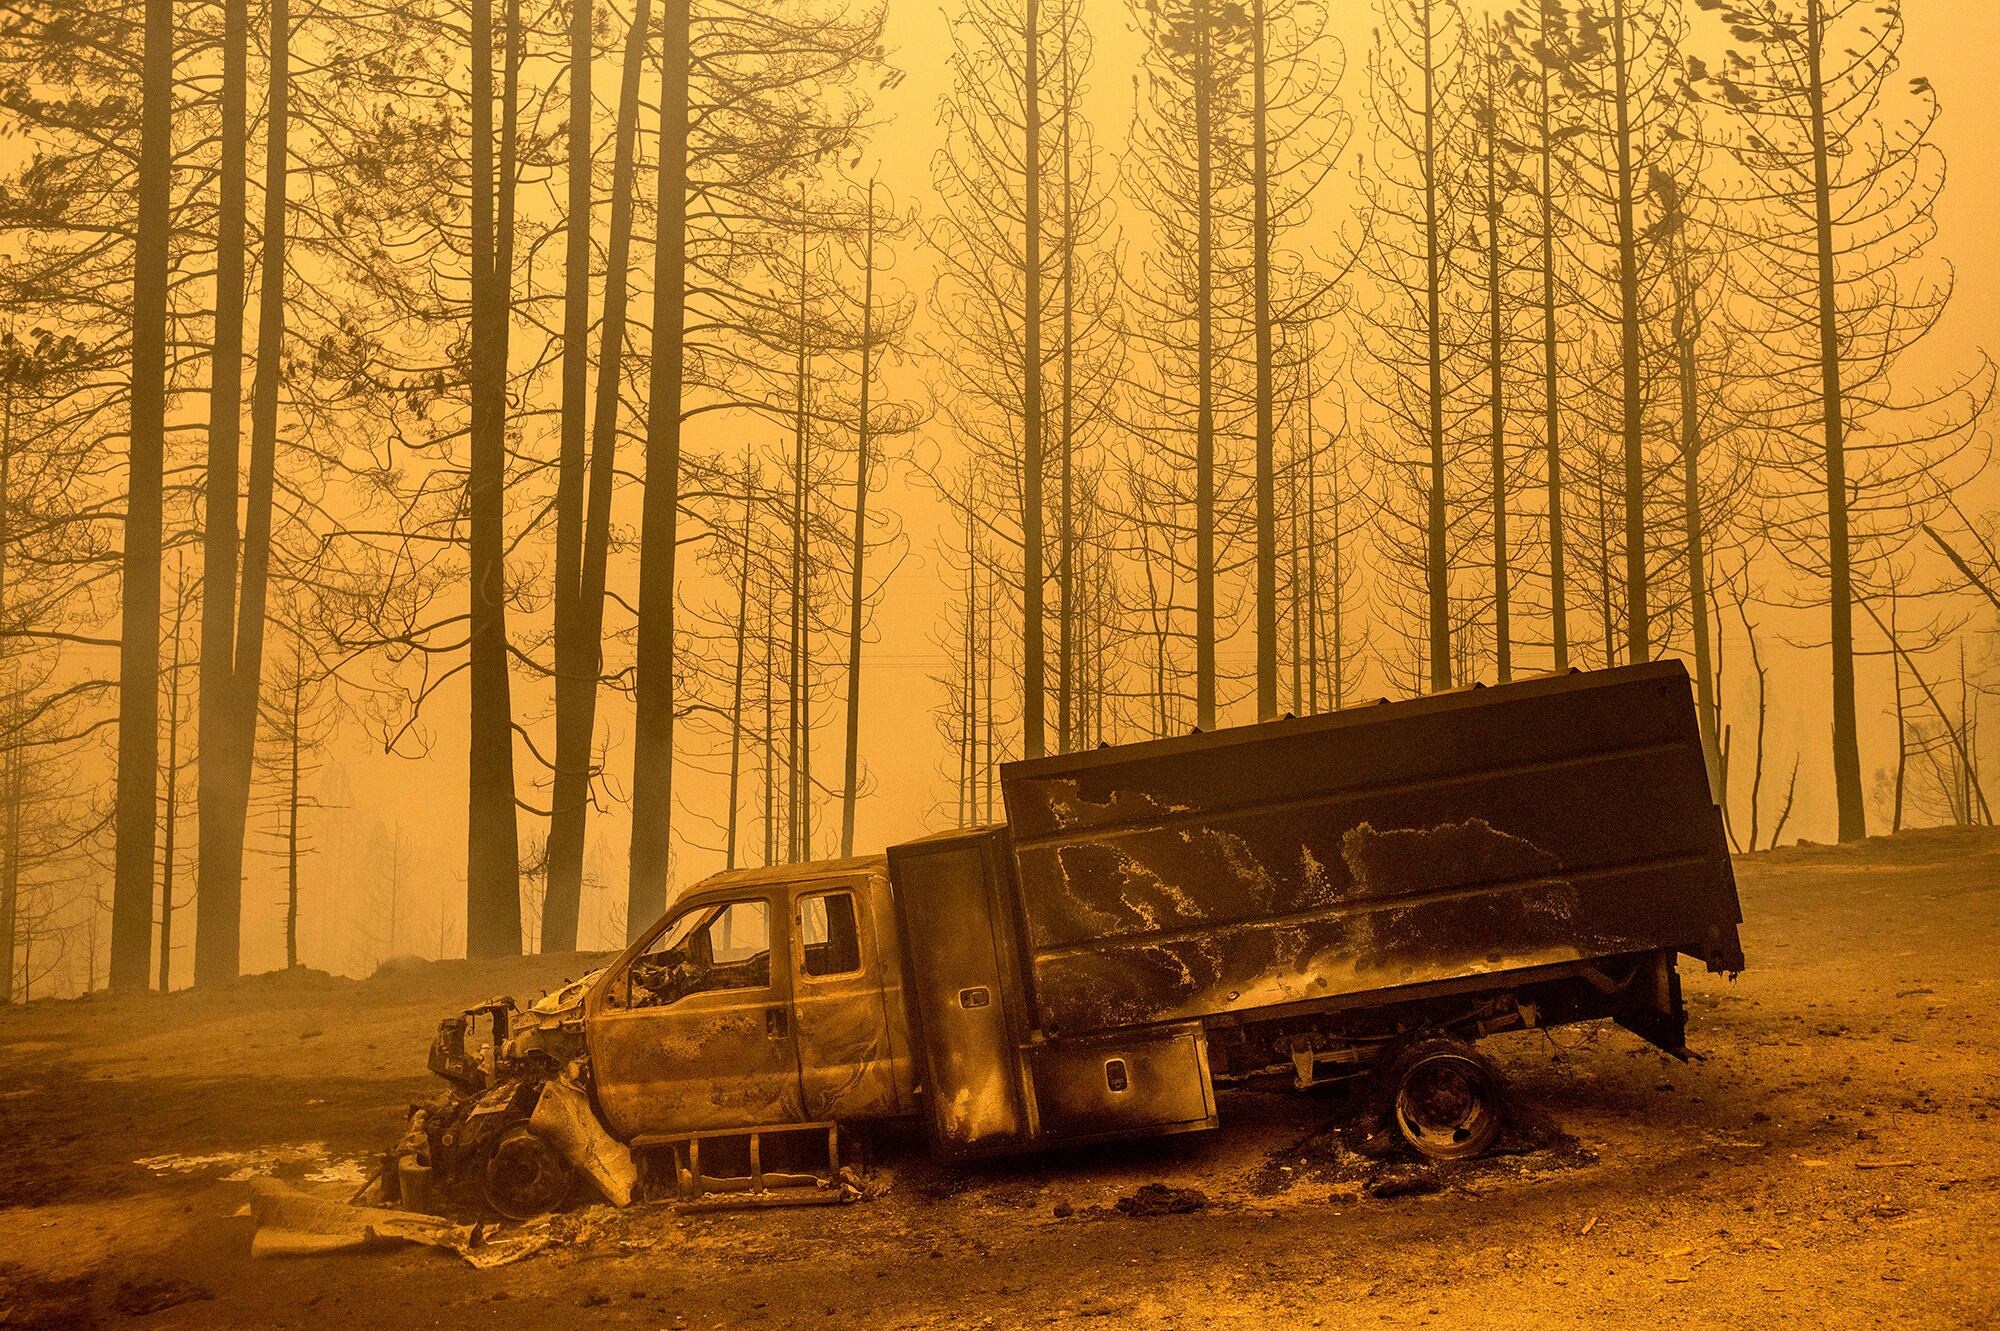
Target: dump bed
[{"x": 1545, "y": 821}]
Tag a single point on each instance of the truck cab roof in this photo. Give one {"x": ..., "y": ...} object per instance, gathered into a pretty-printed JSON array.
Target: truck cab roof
[{"x": 764, "y": 875}]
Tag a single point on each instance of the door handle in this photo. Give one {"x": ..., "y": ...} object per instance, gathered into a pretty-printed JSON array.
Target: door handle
[{"x": 776, "y": 1025}]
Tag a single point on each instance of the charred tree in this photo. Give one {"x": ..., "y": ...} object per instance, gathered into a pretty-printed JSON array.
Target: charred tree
[{"x": 139, "y": 651}]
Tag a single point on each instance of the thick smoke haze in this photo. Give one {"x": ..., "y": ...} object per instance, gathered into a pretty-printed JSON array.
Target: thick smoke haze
[{"x": 355, "y": 829}]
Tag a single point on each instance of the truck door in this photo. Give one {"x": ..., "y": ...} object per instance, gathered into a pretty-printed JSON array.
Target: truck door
[
  {"x": 696, "y": 1032},
  {"x": 846, "y": 1060}
]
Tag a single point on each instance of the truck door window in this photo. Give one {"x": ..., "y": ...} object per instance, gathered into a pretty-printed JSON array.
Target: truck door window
[
  {"x": 827, "y": 934},
  {"x": 722, "y": 947}
]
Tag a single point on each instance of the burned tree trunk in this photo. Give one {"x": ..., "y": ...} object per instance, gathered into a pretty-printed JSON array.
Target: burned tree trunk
[
  {"x": 139, "y": 630},
  {"x": 653, "y": 668},
  {"x": 851, "y": 775},
  {"x": 563, "y": 900},
  {"x": 576, "y": 653},
  {"x": 492, "y": 881}
]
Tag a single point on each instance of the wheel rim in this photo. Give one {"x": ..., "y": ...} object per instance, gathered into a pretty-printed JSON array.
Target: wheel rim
[
  {"x": 1447, "y": 1107},
  {"x": 525, "y": 1177}
]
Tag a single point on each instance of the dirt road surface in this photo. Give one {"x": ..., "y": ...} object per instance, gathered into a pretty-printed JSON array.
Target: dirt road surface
[{"x": 1834, "y": 1161}]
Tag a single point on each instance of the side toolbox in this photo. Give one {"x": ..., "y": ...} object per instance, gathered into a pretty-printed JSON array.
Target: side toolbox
[
  {"x": 963, "y": 980},
  {"x": 1129, "y": 1084},
  {"x": 991, "y": 1083}
]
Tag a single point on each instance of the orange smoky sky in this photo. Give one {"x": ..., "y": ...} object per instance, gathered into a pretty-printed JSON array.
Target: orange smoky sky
[{"x": 389, "y": 818}]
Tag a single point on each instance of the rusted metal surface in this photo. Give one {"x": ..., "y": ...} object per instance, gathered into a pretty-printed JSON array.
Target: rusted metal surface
[
  {"x": 992, "y": 1082},
  {"x": 1489, "y": 830},
  {"x": 791, "y": 1048},
  {"x": 967, "y": 1009},
  {"x": 852, "y": 1063},
  {"x": 718, "y": 1059},
  {"x": 1156, "y": 1081}
]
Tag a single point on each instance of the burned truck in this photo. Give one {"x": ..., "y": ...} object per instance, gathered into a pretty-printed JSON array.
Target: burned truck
[{"x": 1358, "y": 894}]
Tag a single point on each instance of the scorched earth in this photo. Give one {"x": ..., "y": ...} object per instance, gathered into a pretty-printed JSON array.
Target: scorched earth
[{"x": 1833, "y": 1161}]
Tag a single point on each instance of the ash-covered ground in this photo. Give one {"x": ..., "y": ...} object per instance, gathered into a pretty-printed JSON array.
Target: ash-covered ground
[{"x": 1834, "y": 1161}]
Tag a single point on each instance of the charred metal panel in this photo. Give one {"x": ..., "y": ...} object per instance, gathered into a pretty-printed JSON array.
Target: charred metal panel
[
  {"x": 964, "y": 988},
  {"x": 1126, "y": 1085},
  {"x": 847, "y": 1059},
  {"x": 888, "y": 971},
  {"x": 1475, "y": 832},
  {"x": 709, "y": 1061},
  {"x": 726, "y": 1058}
]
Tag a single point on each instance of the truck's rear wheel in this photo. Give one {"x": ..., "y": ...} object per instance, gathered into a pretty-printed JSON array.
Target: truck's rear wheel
[{"x": 1444, "y": 1099}]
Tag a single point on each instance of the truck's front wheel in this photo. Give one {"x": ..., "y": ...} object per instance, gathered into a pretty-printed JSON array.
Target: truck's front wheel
[
  {"x": 526, "y": 1177},
  {"x": 1444, "y": 1099}
]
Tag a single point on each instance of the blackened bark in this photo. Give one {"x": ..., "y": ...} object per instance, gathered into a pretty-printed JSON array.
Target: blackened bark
[
  {"x": 1496, "y": 366},
  {"x": 1204, "y": 426},
  {"x": 1033, "y": 669},
  {"x": 1852, "y": 814},
  {"x": 221, "y": 810},
  {"x": 1260, "y": 263},
  {"x": 1436, "y": 560},
  {"x": 563, "y": 901},
  {"x": 851, "y": 776},
  {"x": 1686, "y": 336},
  {"x": 492, "y": 877},
  {"x": 1638, "y": 624},
  {"x": 139, "y": 628},
  {"x": 659, "y": 522},
  {"x": 576, "y": 655},
  {"x": 227, "y": 772},
  {"x": 1551, "y": 369},
  {"x": 736, "y": 681}
]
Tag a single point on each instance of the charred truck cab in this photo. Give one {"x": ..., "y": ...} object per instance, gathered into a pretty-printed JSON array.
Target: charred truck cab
[
  {"x": 765, "y": 999},
  {"x": 1366, "y": 892}
]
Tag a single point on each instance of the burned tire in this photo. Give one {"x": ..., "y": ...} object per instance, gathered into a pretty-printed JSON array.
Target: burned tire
[
  {"x": 525, "y": 1176},
  {"x": 1444, "y": 1099}
]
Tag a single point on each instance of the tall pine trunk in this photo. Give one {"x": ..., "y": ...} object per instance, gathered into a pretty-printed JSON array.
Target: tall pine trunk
[
  {"x": 563, "y": 900},
  {"x": 1551, "y": 369},
  {"x": 233, "y": 628},
  {"x": 576, "y": 663},
  {"x": 970, "y": 815},
  {"x": 1033, "y": 670},
  {"x": 1436, "y": 565},
  {"x": 247, "y": 673},
  {"x": 12, "y": 791},
  {"x": 222, "y": 809},
  {"x": 169, "y": 849},
  {"x": 292, "y": 803},
  {"x": 1496, "y": 366},
  {"x": 1066, "y": 702},
  {"x": 10, "y": 741},
  {"x": 770, "y": 735},
  {"x": 1312, "y": 536},
  {"x": 1260, "y": 264},
  {"x": 1853, "y": 816},
  {"x": 1204, "y": 424},
  {"x": 796, "y": 680},
  {"x": 1638, "y": 625},
  {"x": 659, "y": 523},
  {"x": 1902, "y": 723},
  {"x": 1686, "y": 334},
  {"x": 851, "y": 776},
  {"x": 1336, "y": 653},
  {"x": 139, "y": 627},
  {"x": 1294, "y": 579},
  {"x": 736, "y": 680},
  {"x": 492, "y": 862}
]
